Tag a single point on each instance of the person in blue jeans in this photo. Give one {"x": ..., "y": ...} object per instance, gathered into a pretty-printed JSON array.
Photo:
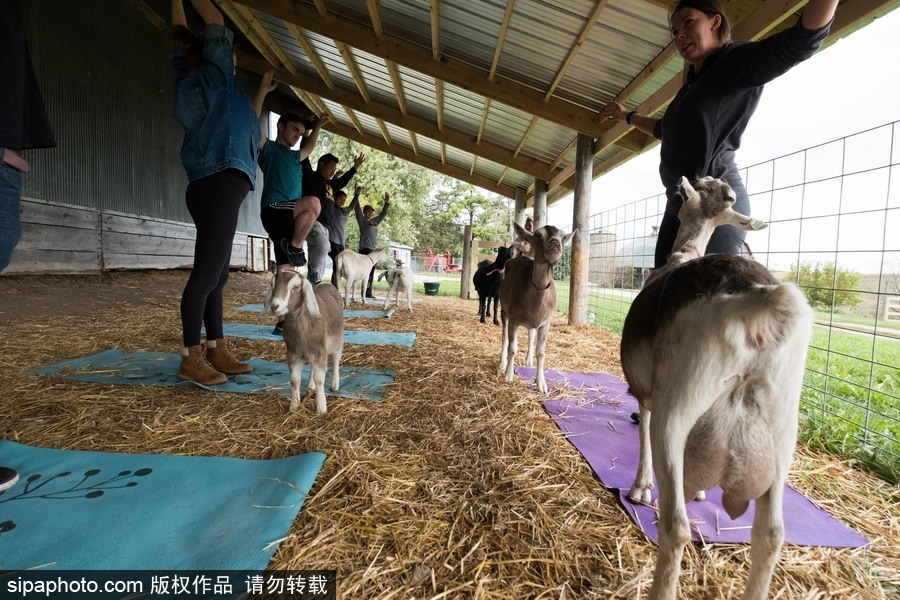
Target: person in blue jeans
[
  {"x": 23, "y": 126},
  {"x": 219, "y": 154}
]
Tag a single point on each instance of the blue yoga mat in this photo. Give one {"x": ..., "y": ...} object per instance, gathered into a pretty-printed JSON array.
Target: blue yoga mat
[
  {"x": 101, "y": 510},
  {"x": 368, "y": 338},
  {"x": 160, "y": 369},
  {"x": 348, "y": 313}
]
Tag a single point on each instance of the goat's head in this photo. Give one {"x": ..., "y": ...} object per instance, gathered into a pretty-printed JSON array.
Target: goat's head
[
  {"x": 503, "y": 254},
  {"x": 546, "y": 242},
  {"x": 706, "y": 205},
  {"x": 287, "y": 285}
]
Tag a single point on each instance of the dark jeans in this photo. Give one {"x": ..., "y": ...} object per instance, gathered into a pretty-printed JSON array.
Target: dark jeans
[
  {"x": 214, "y": 203},
  {"x": 10, "y": 198},
  {"x": 371, "y": 273},
  {"x": 278, "y": 221},
  {"x": 335, "y": 250},
  {"x": 725, "y": 240}
]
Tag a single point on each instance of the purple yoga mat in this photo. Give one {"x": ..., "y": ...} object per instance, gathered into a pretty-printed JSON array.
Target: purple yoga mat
[{"x": 595, "y": 415}]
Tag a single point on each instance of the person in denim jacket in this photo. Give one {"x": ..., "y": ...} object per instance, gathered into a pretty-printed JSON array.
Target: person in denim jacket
[{"x": 221, "y": 144}]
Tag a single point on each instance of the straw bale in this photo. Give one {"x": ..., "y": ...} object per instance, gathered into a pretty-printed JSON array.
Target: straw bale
[{"x": 455, "y": 485}]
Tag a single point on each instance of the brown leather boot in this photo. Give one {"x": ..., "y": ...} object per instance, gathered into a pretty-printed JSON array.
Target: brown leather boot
[
  {"x": 195, "y": 367},
  {"x": 223, "y": 360}
]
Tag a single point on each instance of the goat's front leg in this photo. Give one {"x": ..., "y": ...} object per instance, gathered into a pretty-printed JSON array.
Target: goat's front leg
[
  {"x": 529, "y": 358},
  {"x": 336, "y": 370},
  {"x": 296, "y": 368},
  {"x": 674, "y": 529},
  {"x": 496, "y": 309},
  {"x": 765, "y": 541},
  {"x": 317, "y": 383},
  {"x": 408, "y": 297},
  {"x": 643, "y": 480},
  {"x": 503, "y": 343},
  {"x": 512, "y": 348},
  {"x": 542, "y": 333}
]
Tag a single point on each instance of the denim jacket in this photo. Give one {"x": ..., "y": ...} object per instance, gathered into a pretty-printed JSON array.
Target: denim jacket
[{"x": 221, "y": 128}]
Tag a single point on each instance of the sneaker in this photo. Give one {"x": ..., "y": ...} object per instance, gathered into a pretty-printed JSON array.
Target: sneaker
[
  {"x": 314, "y": 281},
  {"x": 279, "y": 328},
  {"x": 8, "y": 478},
  {"x": 369, "y": 294},
  {"x": 294, "y": 255}
]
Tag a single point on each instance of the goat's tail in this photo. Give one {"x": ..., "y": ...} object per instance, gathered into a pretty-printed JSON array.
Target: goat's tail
[
  {"x": 771, "y": 313},
  {"x": 339, "y": 266}
]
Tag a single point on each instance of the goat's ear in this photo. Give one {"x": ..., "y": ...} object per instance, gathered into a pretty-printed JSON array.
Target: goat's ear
[
  {"x": 522, "y": 232},
  {"x": 684, "y": 188},
  {"x": 309, "y": 299},
  {"x": 568, "y": 237}
]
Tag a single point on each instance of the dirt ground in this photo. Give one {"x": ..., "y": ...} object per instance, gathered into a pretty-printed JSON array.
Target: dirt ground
[{"x": 26, "y": 296}]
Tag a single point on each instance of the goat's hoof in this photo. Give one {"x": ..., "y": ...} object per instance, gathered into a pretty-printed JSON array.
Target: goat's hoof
[
  {"x": 700, "y": 496},
  {"x": 639, "y": 494}
]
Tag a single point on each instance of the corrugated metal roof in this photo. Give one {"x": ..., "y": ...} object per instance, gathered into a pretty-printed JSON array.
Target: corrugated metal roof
[{"x": 518, "y": 79}]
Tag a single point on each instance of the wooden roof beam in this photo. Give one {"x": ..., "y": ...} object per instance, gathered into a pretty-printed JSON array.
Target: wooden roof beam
[
  {"x": 501, "y": 38},
  {"x": 406, "y": 154},
  {"x": 573, "y": 51},
  {"x": 415, "y": 57},
  {"x": 455, "y": 138}
]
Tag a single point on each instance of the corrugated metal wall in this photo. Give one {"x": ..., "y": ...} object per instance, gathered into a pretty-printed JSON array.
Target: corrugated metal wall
[{"x": 106, "y": 78}]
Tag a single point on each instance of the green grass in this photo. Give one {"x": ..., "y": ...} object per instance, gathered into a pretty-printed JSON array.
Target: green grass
[{"x": 850, "y": 404}]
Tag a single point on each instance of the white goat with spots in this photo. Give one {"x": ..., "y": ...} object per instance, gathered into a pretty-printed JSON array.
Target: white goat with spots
[
  {"x": 715, "y": 346},
  {"x": 400, "y": 279},
  {"x": 354, "y": 267}
]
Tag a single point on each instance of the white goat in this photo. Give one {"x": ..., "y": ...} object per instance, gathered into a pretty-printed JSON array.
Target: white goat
[
  {"x": 400, "y": 279},
  {"x": 528, "y": 296},
  {"x": 313, "y": 331},
  {"x": 715, "y": 347},
  {"x": 354, "y": 267}
]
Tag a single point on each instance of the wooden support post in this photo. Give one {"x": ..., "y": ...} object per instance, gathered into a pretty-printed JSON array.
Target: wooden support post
[
  {"x": 584, "y": 160},
  {"x": 520, "y": 211},
  {"x": 540, "y": 203},
  {"x": 466, "y": 275}
]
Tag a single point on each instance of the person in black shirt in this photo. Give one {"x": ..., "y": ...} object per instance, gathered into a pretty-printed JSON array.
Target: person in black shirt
[
  {"x": 703, "y": 125},
  {"x": 322, "y": 184}
]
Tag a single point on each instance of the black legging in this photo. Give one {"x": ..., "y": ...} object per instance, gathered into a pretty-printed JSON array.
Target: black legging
[
  {"x": 214, "y": 203},
  {"x": 725, "y": 240},
  {"x": 371, "y": 273}
]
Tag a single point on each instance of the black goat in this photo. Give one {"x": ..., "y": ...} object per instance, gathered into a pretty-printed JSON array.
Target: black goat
[{"x": 487, "y": 281}]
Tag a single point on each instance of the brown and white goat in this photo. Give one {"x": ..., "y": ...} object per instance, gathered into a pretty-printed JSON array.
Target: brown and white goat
[
  {"x": 715, "y": 347},
  {"x": 313, "y": 331},
  {"x": 353, "y": 266},
  {"x": 528, "y": 297}
]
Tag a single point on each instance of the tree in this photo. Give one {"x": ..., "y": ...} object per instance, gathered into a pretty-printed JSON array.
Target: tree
[
  {"x": 825, "y": 285},
  {"x": 406, "y": 183}
]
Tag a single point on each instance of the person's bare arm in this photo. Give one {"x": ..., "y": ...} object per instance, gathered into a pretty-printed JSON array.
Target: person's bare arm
[
  {"x": 818, "y": 13},
  {"x": 178, "y": 17},
  {"x": 208, "y": 12},
  {"x": 308, "y": 143},
  {"x": 643, "y": 123}
]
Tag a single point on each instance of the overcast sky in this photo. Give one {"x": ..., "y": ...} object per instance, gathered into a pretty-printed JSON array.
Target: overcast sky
[{"x": 851, "y": 86}]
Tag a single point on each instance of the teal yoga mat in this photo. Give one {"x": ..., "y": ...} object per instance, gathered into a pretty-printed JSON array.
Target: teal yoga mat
[
  {"x": 348, "y": 313},
  {"x": 367, "y": 338},
  {"x": 160, "y": 369},
  {"x": 101, "y": 510}
]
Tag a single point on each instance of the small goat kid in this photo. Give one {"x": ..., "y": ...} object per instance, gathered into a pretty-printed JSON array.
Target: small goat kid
[
  {"x": 528, "y": 296},
  {"x": 354, "y": 267},
  {"x": 313, "y": 331},
  {"x": 487, "y": 279},
  {"x": 715, "y": 347},
  {"x": 400, "y": 279}
]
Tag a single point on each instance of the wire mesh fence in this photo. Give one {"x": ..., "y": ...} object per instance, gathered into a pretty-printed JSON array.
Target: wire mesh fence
[{"x": 834, "y": 230}]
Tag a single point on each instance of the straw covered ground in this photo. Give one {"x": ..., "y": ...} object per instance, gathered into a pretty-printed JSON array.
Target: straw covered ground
[{"x": 455, "y": 485}]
